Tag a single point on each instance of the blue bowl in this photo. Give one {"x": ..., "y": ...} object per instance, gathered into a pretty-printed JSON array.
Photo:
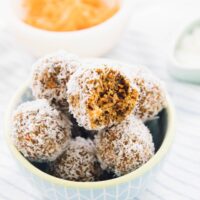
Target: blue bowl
[{"x": 121, "y": 188}]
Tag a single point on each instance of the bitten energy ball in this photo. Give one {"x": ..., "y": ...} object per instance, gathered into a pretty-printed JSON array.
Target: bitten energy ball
[
  {"x": 50, "y": 76},
  {"x": 101, "y": 96},
  {"x": 78, "y": 162},
  {"x": 124, "y": 147},
  {"x": 40, "y": 132},
  {"x": 152, "y": 97}
]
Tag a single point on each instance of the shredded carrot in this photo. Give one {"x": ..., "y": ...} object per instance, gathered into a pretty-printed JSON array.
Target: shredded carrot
[{"x": 68, "y": 15}]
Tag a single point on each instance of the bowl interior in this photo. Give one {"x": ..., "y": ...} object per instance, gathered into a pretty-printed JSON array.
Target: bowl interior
[{"x": 158, "y": 128}]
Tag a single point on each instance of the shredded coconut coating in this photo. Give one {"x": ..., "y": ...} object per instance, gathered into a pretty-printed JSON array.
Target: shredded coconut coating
[
  {"x": 152, "y": 96},
  {"x": 40, "y": 132},
  {"x": 50, "y": 76},
  {"x": 124, "y": 147},
  {"x": 78, "y": 162},
  {"x": 101, "y": 95}
]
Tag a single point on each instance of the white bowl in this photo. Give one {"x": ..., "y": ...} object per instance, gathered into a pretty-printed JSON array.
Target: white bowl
[
  {"x": 177, "y": 69},
  {"x": 90, "y": 42}
]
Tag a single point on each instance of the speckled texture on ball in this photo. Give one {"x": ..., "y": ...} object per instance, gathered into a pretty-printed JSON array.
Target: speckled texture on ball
[
  {"x": 101, "y": 95},
  {"x": 40, "y": 132},
  {"x": 124, "y": 147},
  {"x": 152, "y": 96},
  {"x": 50, "y": 76},
  {"x": 78, "y": 162}
]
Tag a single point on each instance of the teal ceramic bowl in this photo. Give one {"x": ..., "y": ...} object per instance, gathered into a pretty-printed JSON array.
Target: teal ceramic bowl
[{"x": 122, "y": 188}]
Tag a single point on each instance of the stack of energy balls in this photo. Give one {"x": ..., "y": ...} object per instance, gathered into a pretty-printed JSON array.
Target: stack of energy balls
[{"x": 88, "y": 117}]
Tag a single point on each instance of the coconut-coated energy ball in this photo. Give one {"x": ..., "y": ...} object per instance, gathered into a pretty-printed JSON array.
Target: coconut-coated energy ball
[
  {"x": 50, "y": 76},
  {"x": 124, "y": 147},
  {"x": 78, "y": 162},
  {"x": 101, "y": 95},
  {"x": 152, "y": 96},
  {"x": 40, "y": 132}
]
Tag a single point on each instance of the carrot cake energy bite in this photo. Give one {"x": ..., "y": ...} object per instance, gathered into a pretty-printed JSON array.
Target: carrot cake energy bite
[
  {"x": 78, "y": 162},
  {"x": 124, "y": 147},
  {"x": 152, "y": 97},
  {"x": 50, "y": 75},
  {"x": 100, "y": 96},
  {"x": 40, "y": 132}
]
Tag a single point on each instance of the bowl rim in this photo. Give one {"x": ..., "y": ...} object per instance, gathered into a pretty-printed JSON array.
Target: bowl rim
[
  {"x": 124, "y": 7},
  {"x": 160, "y": 154}
]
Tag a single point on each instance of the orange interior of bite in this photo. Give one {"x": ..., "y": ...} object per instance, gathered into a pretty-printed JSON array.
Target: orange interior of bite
[
  {"x": 112, "y": 100},
  {"x": 68, "y": 15}
]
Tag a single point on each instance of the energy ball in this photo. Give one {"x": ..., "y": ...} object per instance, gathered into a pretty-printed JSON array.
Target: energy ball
[
  {"x": 124, "y": 147},
  {"x": 40, "y": 132},
  {"x": 152, "y": 97},
  {"x": 101, "y": 95},
  {"x": 50, "y": 76},
  {"x": 78, "y": 162}
]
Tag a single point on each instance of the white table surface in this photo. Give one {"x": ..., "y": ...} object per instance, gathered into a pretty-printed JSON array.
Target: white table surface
[{"x": 147, "y": 42}]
